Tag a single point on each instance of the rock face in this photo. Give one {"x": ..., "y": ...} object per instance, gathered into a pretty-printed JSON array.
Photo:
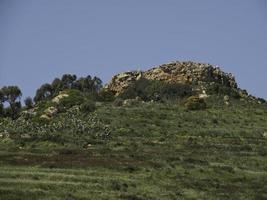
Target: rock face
[
  {"x": 122, "y": 81},
  {"x": 175, "y": 72}
]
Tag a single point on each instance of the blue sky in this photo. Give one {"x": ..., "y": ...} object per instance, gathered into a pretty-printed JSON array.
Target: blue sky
[{"x": 43, "y": 39}]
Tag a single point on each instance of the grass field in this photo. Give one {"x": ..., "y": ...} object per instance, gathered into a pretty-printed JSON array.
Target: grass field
[{"x": 156, "y": 151}]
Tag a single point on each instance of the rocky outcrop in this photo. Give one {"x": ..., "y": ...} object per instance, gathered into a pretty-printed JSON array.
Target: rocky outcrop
[
  {"x": 193, "y": 73},
  {"x": 122, "y": 81},
  {"x": 49, "y": 113},
  {"x": 59, "y": 97}
]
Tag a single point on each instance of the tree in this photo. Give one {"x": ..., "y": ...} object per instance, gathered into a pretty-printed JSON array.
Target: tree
[
  {"x": 1, "y": 103},
  {"x": 88, "y": 84},
  {"x": 97, "y": 84},
  {"x": 44, "y": 92},
  {"x": 28, "y": 102},
  {"x": 1, "y": 110},
  {"x": 1, "y": 96},
  {"x": 68, "y": 80},
  {"x": 12, "y": 95},
  {"x": 56, "y": 85}
]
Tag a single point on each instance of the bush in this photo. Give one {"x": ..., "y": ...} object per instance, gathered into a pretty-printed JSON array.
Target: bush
[
  {"x": 118, "y": 102},
  {"x": 155, "y": 90},
  {"x": 75, "y": 98},
  {"x": 105, "y": 95},
  {"x": 88, "y": 106},
  {"x": 261, "y": 100},
  {"x": 195, "y": 103},
  {"x": 158, "y": 90},
  {"x": 222, "y": 90}
]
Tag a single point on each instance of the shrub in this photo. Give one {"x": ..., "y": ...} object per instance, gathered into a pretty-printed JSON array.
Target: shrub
[
  {"x": 105, "y": 95},
  {"x": 195, "y": 103},
  {"x": 222, "y": 90},
  {"x": 75, "y": 98},
  {"x": 118, "y": 102},
  {"x": 261, "y": 100},
  {"x": 158, "y": 90},
  {"x": 88, "y": 106},
  {"x": 155, "y": 90}
]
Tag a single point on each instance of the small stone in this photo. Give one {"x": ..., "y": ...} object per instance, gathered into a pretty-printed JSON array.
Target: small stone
[
  {"x": 227, "y": 103},
  {"x": 226, "y": 98}
]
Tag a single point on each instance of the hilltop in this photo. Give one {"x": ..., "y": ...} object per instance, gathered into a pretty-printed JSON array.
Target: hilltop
[
  {"x": 181, "y": 130},
  {"x": 198, "y": 75}
]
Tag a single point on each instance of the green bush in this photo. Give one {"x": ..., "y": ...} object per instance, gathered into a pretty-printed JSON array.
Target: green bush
[
  {"x": 75, "y": 98},
  {"x": 118, "y": 102},
  {"x": 88, "y": 106},
  {"x": 261, "y": 100},
  {"x": 219, "y": 89},
  {"x": 195, "y": 103},
  {"x": 105, "y": 95},
  {"x": 155, "y": 90}
]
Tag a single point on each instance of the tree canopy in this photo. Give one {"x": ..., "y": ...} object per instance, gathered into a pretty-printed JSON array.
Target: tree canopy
[{"x": 68, "y": 81}]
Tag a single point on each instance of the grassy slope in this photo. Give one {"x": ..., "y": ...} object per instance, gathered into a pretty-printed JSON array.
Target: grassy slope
[{"x": 157, "y": 151}]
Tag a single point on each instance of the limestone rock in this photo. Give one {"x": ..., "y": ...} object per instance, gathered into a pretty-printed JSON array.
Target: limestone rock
[
  {"x": 51, "y": 111},
  {"x": 59, "y": 97},
  {"x": 122, "y": 81},
  {"x": 175, "y": 72}
]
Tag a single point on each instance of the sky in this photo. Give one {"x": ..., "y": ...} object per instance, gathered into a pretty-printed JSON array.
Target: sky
[{"x": 43, "y": 39}]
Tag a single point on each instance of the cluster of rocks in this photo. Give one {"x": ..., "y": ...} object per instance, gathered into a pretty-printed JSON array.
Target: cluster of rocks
[
  {"x": 175, "y": 72},
  {"x": 59, "y": 97},
  {"x": 122, "y": 81},
  {"x": 52, "y": 110}
]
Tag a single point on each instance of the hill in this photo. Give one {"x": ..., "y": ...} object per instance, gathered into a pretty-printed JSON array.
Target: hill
[
  {"x": 182, "y": 130},
  {"x": 197, "y": 74}
]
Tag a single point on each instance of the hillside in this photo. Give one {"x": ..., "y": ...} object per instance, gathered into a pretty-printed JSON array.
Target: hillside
[{"x": 181, "y": 130}]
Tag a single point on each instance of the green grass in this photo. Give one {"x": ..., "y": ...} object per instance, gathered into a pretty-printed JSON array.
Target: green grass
[{"x": 156, "y": 151}]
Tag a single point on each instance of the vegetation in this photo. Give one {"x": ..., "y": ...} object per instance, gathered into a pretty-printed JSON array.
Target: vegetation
[
  {"x": 156, "y": 90},
  {"x": 177, "y": 146},
  {"x": 28, "y": 102},
  {"x": 88, "y": 106},
  {"x": 75, "y": 97},
  {"x": 84, "y": 84},
  {"x": 10, "y": 95},
  {"x": 218, "y": 89},
  {"x": 195, "y": 103}
]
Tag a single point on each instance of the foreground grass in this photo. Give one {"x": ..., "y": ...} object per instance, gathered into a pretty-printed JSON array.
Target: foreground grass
[{"x": 157, "y": 151}]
